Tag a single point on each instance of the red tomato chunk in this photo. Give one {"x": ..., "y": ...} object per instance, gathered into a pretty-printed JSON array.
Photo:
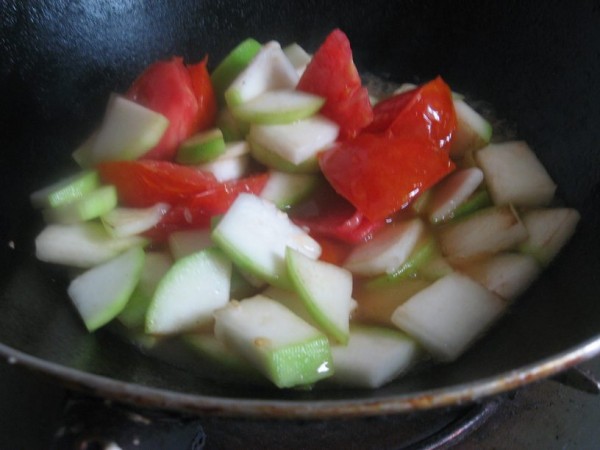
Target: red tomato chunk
[
  {"x": 182, "y": 94},
  {"x": 380, "y": 174},
  {"x": 333, "y": 75}
]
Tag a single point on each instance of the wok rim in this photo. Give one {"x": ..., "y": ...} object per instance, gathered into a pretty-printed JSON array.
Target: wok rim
[{"x": 169, "y": 400}]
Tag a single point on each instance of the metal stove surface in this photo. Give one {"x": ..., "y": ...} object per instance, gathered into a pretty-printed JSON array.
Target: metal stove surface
[{"x": 545, "y": 415}]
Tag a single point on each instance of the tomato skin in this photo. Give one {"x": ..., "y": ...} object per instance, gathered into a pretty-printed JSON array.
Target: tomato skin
[
  {"x": 333, "y": 75},
  {"x": 352, "y": 227},
  {"x": 387, "y": 110},
  {"x": 145, "y": 183},
  {"x": 329, "y": 215},
  {"x": 426, "y": 111},
  {"x": 333, "y": 251},
  {"x": 197, "y": 210},
  {"x": 205, "y": 95},
  {"x": 380, "y": 174}
]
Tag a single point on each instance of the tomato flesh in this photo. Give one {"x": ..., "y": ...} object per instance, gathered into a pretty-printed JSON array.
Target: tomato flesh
[
  {"x": 194, "y": 196},
  {"x": 380, "y": 174},
  {"x": 145, "y": 183},
  {"x": 205, "y": 95},
  {"x": 197, "y": 210},
  {"x": 166, "y": 87},
  {"x": 182, "y": 94},
  {"x": 332, "y": 74},
  {"x": 219, "y": 198}
]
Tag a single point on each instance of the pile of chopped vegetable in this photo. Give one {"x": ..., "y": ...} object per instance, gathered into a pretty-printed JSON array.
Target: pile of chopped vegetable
[{"x": 280, "y": 219}]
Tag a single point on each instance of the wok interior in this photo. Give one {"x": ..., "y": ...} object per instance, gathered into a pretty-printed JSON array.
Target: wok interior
[{"x": 535, "y": 68}]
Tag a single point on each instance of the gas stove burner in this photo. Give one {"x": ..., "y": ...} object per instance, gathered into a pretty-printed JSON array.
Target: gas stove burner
[
  {"x": 456, "y": 431},
  {"x": 95, "y": 424}
]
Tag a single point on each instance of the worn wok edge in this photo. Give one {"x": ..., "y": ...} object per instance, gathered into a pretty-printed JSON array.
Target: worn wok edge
[{"x": 150, "y": 397}]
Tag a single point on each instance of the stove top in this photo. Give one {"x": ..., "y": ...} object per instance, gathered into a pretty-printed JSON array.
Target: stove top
[{"x": 38, "y": 414}]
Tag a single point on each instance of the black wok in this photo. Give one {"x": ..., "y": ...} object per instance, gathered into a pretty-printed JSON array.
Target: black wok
[{"x": 536, "y": 64}]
